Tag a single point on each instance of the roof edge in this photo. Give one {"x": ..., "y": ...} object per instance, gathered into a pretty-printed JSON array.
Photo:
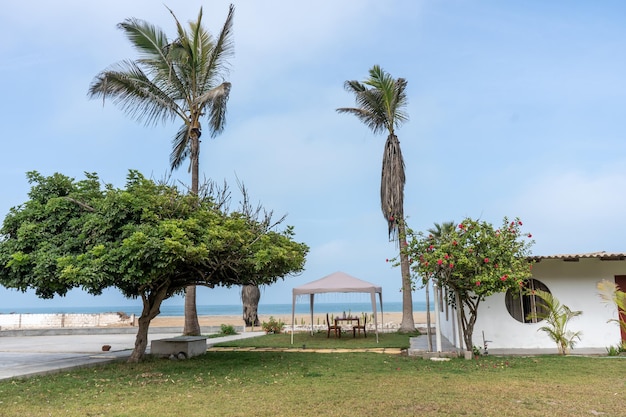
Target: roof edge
[{"x": 574, "y": 257}]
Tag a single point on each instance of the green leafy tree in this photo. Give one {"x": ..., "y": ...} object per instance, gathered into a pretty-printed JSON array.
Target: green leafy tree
[
  {"x": 382, "y": 101},
  {"x": 473, "y": 262},
  {"x": 148, "y": 240},
  {"x": 179, "y": 78},
  {"x": 556, "y": 317}
]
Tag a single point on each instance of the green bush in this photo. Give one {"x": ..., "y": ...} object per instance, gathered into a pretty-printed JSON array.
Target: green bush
[
  {"x": 273, "y": 326},
  {"x": 616, "y": 350},
  {"x": 227, "y": 329}
]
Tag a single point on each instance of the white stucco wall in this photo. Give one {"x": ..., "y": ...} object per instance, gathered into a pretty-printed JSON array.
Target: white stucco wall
[
  {"x": 573, "y": 284},
  {"x": 60, "y": 320}
]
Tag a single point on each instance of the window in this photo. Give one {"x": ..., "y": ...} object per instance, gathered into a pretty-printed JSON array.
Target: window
[{"x": 520, "y": 303}]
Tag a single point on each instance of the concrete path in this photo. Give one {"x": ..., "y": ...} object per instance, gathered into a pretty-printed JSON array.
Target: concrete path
[{"x": 28, "y": 355}]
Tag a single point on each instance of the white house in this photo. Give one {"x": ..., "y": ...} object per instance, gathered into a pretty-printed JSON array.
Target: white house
[{"x": 572, "y": 279}]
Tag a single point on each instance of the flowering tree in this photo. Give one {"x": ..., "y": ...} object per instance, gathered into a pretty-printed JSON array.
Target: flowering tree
[{"x": 472, "y": 262}]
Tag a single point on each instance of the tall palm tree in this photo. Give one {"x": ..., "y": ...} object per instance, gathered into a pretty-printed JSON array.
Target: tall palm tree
[
  {"x": 381, "y": 102},
  {"x": 179, "y": 79}
]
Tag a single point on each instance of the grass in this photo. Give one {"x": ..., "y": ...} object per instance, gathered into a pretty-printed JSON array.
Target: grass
[
  {"x": 275, "y": 384},
  {"x": 319, "y": 340}
]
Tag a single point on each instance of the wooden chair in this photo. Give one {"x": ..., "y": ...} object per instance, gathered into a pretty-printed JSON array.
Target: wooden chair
[
  {"x": 359, "y": 327},
  {"x": 336, "y": 329}
]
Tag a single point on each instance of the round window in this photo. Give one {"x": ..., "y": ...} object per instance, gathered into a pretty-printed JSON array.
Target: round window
[{"x": 522, "y": 304}]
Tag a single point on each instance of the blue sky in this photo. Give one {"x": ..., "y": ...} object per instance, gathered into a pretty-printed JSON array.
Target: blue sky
[{"x": 516, "y": 109}]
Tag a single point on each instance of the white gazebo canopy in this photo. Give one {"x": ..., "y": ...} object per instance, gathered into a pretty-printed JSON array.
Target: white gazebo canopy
[{"x": 337, "y": 282}]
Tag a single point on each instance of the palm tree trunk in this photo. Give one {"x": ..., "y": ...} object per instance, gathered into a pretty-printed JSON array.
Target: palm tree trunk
[
  {"x": 192, "y": 325},
  {"x": 408, "y": 324},
  {"x": 250, "y": 296}
]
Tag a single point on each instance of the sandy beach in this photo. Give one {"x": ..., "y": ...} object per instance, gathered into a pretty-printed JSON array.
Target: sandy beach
[{"x": 169, "y": 321}]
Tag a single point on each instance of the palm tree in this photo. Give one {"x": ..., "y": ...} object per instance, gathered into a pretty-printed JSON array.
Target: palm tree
[
  {"x": 381, "y": 102},
  {"x": 438, "y": 232},
  {"x": 174, "y": 79}
]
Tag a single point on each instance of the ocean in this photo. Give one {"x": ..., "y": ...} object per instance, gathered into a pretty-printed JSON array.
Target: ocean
[{"x": 223, "y": 310}]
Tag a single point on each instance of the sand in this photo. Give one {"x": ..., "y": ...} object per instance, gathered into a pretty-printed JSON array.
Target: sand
[{"x": 173, "y": 321}]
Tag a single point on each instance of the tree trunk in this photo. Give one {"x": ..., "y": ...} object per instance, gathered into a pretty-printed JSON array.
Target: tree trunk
[
  {"x": 192, "y": 325},
  {"x": 468, "y": 322},
  {"x": 151, "y": 309},
  {"x": 408, "y": 324},
  {"x": 141, "y": 341},
  {"x": 250, "y": 296},
  {"x": 428, "y": 332}
]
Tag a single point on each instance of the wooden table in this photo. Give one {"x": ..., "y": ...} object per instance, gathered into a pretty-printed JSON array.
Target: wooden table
[{"x": 357, "y": 319}]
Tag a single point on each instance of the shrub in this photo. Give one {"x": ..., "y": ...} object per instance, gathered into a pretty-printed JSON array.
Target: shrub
[
  {"x": 227, "y": 329},
  {"x": 616, "y": 350},
  {"x": 557, "y": 317},
  {"x": 273, "y": 326}
]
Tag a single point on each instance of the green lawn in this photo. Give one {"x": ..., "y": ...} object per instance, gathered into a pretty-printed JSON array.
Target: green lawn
[
  {"x": 319, "y": 340},
  {"x": 275, "y": 384}
]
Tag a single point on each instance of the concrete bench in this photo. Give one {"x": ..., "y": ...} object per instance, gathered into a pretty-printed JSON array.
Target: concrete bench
[{"x": 186, "y": 346}]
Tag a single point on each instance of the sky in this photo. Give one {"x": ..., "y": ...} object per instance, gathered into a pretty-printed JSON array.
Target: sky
[{"x": 516, "y": 109}]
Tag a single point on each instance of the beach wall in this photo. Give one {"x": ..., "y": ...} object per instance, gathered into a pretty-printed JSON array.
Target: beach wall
[{"x": 62, "y": 320}]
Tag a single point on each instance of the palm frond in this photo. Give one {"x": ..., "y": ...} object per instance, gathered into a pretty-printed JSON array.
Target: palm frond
[
  {"x": 222, "y": 50},
  {"x": 557, "y": 317},
  {"x": 149, "y": 40},
  {"x": 610, "y": 293},
  {"x": 180, "y": 147},
  {"x": 441, "y": 230},
  {"x": 218, "y": 98},
  {"x": 392, "y": 185},
  {"x": 134, "y": 93},
  {"x": 154, "y": 48}
]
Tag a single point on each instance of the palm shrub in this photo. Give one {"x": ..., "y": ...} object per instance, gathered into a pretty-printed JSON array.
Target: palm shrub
[
  {"x": 557, "y": 317},
  {"x": 610, "y": 293}
]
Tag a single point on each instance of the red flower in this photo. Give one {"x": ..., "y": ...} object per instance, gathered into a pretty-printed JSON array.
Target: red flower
[
  {"x": 461, "y": 226},
  {"x": 486, "y": 260},
  {"x": 446, "y": 256},
  {"x": 454, "y": 242},
  {"x": 504, "y": 277},
  {"x": 386, "y": 260},
  {"x": 439, "y": 261},
  {"x": 451, "y": 265},
  {"x": 519, "y": 222},
  {"x": 431, "y": 247},
  {"x": 477, "y": 283},
  {"x": 529, "y": 235}
]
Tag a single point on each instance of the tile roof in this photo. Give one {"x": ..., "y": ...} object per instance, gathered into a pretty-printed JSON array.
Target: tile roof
[{"x": 604, "y": 256}]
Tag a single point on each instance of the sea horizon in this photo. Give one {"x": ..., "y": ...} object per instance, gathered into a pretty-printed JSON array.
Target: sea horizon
[{"x": 222, "y": 310}]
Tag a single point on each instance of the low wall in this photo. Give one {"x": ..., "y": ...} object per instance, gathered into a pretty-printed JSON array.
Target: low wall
[{"x": 49, "y": 321}]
